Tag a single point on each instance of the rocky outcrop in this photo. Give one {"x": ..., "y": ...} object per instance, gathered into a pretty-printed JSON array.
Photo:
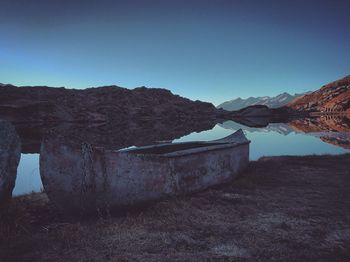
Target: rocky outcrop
[
  {"x": 331, "y": 98},
  {"x": 272, "y": 102},
  {"x": 254, "y": 111},
  {"x": 103, "y": 104},
  {"x": 10, "y": 153}
]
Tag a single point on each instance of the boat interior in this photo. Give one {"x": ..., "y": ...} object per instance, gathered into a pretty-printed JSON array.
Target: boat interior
[{"x": 169, "y": 148}]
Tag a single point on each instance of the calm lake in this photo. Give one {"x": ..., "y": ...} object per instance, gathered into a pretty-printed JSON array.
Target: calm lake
[{"x": 272, "y": 140}]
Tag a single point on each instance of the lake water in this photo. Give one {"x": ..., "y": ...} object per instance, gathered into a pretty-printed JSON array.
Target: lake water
[{"x": 273, "y": 140}]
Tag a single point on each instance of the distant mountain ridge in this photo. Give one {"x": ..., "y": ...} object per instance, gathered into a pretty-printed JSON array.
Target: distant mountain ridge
[{"x": 272, "y": 102}]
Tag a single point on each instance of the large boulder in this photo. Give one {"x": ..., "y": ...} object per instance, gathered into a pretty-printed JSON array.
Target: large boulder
[{"x": 10, "y": 153}]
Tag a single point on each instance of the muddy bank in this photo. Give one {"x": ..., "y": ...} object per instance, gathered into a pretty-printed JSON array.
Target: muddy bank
[{"x": 280, "y": 208}]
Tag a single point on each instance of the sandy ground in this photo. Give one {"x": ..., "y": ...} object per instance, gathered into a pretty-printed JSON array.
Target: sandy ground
[{"x": 279, "y": 209}]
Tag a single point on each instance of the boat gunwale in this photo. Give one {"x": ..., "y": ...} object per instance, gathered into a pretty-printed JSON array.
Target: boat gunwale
[
  {"x": 204, "y": 149},
  {"x": 208, "y": 146}
]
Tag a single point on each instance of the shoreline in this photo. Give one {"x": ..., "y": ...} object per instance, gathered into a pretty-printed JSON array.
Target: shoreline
[{"x": 288, "y": 208}]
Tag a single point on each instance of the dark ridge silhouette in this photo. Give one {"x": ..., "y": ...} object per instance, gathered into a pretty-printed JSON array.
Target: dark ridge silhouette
[{"x": 102, "y": 104}]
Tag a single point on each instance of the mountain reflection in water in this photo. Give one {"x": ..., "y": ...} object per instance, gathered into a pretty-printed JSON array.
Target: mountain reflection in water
[{"x": 324, "y": 135}]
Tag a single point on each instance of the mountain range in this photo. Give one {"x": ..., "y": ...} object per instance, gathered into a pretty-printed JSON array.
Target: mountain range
[
  {"x": 116, "y": 104},
  {"x": 272, "y": 102},
  {"x": 332, "y": 98}
]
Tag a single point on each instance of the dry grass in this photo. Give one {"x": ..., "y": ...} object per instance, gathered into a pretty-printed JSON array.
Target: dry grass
[{"x": 281, "y": 208}]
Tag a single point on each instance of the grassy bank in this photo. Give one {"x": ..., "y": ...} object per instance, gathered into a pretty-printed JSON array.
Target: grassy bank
[{"x": 280, "y": 208}]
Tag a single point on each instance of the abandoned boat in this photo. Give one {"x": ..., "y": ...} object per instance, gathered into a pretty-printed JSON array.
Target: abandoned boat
[{"x": 87, "y": 177}]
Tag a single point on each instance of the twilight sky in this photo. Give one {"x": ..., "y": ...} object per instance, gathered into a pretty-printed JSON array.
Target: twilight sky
[{"x": 209, "y": 50}]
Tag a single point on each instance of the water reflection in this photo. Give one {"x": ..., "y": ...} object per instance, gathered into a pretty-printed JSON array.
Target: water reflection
[
  {"x": 275, "y": 139},
  {"x": 28, "y": 177},
  {"x": 110, "y": 136},
  {"x": 330, "y": 129}
]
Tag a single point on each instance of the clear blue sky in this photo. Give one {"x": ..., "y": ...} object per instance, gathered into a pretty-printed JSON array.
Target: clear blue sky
[{"x": 207, "y": 50}]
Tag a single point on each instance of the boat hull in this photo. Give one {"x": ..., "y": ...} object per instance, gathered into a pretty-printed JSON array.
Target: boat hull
[
  {"x": 137, "y": 178},
  {"x": 85, "y": 179}
]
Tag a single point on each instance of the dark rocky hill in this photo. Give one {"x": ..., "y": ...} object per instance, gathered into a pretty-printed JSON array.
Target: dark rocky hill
[
  {"x": 112, "y": 116},
  {"x": 109, "y": 103}
]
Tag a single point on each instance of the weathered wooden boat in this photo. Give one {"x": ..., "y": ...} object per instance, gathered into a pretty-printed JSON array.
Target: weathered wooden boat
[{"x": 86, "y": 177}]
